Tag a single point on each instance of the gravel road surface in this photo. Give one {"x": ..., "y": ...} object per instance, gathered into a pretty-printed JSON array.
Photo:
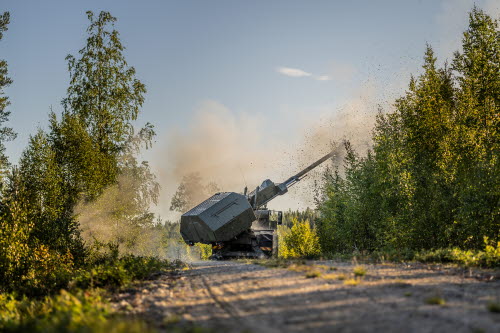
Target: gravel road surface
[{"x": 242, "y": 297}]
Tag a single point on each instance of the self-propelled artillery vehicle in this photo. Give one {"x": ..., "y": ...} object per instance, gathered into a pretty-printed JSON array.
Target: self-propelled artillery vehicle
[{"x": 240, "y": 225}]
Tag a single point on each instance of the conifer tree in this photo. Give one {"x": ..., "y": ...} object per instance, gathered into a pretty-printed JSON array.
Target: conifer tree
[{"x": 6, "y": 133}]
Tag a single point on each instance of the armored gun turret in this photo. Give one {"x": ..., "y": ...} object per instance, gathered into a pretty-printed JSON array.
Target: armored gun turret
[{"x": 239, "y": 225}]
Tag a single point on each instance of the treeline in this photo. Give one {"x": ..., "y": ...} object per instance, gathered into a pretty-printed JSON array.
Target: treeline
[
  {"x": 85, "y": 166},
  {"x": 432, "y": 178}
]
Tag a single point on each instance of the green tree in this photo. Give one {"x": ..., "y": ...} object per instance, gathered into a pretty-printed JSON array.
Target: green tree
[
  {"x": 473, "y": 162},
  {"x": 103, "y": 89},
  {"x": 433, "y": 179},
  {"x": 96, "y": 141},
  {"x": 6, "y": 133}
]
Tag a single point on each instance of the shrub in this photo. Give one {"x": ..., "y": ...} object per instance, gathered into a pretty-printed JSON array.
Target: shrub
[
  {"x": 493, "y": 307},
  {"x": 82, "y": 311},
  {"x": 313, "y": 274},
  {"x": 205, "y": 250},
  {"x": 359, "y": 271},
  {"x": 118, "y": 272},
  {"x": 435, "y": 300},
  {"x": 298, "y": 242}
]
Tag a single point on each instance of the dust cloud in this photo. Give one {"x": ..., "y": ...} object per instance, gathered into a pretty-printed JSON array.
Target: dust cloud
[
  {"x": 120, "y": 218},
  {"x": 229, "y": 149}
]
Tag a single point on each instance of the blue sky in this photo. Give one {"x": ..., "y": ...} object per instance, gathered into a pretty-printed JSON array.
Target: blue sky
[{"x": 278, "y": 62}]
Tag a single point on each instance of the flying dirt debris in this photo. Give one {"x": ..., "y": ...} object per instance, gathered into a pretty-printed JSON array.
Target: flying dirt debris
[{"x": 239, "y": 225}]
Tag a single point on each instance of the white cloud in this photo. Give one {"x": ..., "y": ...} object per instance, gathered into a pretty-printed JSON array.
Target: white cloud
[
  {"x": 296, "y": 72},
  {"x": 293, "y": 72}
]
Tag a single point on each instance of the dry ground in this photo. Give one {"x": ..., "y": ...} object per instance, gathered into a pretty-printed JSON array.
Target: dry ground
[{"x": 243, "y": 297}]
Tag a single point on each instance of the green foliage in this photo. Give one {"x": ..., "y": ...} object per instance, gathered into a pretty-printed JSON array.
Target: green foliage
[
  {"x": 435, "y": 300},
  {"x": 85, "y": 165},
  {"x": 6, "y": 133},
  {"x": 489, "y": 257},
  {"x": 359, "y": 271},
  {"x": 114, "y": 272},
  {"x": 312, "y": 274},
  {"x": 300, "y": 241},
  {"x": 81, "y": 311},
  {"x": 433, "y": 177},
  {"x": 103, "y": 91},
  {"x": 299, "y": 215},
  {"x": 493, "y": 307},
  {"x": 205, "y": 250}
]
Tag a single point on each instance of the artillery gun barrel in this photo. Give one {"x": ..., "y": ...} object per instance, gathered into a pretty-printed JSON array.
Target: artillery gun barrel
[{"x": 292, "y": 180}]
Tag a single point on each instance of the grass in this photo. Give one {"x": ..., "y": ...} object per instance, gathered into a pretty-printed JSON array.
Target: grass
[
  {"x": 352, "y": 282},
  {"x": 82, "y": 311},
  {"x": 341, "y": 277},
  {"x": 435, "y": 300},
  {"x": 488, "y": 257},
  {"x": 83, "y": 307},
  {"x": 329, "y": 276},
  {"x": 359, "y": 271},
  {"x": 313, "y": 274},
  {"x": 493, "y": 307}
]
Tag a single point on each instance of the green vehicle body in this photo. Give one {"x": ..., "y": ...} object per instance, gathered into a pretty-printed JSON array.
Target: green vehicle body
[{"x": 239, "y": 225}]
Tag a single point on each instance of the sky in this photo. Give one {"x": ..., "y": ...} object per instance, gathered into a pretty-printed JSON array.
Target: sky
[{"x": 270, "y": 69}]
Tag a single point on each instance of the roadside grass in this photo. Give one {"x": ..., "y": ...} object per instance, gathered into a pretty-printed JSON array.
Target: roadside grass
[
  {"x": 435, "y": 300},
  {"x": 359, "y": 271},
  {"x": 488, "y": 257},
  {"x": 83, "y": 306},
  {"x": 313, "y": 274},
  {"x": 80, "y": 311},
  {"x": 493, "y": 307},
  {"x": 341, "y": 277},
  {"x": 352, "y": 282}
]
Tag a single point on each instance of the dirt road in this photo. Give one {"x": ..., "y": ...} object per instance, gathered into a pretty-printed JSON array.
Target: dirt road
[{"x": 242, "y": 297}]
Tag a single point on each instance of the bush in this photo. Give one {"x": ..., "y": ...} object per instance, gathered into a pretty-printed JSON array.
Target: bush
[
  {"x": 82, "y": 311},
  {"x": 298, "y": 242},
  {"x": 205, "y": 250},
  {"x": 117, "y": 272},
  {"x": 490, "y": 257}
]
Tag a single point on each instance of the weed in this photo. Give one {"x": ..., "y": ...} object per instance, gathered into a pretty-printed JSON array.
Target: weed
[
  {"x": 408, "y": 294},
  {"x": 313, "y": 274},
  {"x": 333, "y": 268},
  {"x": 329, "y": 276},
  {"x": 341, "y": 277},
  {"x": 351, "y": 282},
  {"x": 493, "y": 307},
  {"x": 359, "y": 271},
  {"x": 435, "y": 300}
]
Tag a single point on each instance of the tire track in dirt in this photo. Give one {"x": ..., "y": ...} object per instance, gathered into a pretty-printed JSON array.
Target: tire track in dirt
[{"x": 236, "y": 297}]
